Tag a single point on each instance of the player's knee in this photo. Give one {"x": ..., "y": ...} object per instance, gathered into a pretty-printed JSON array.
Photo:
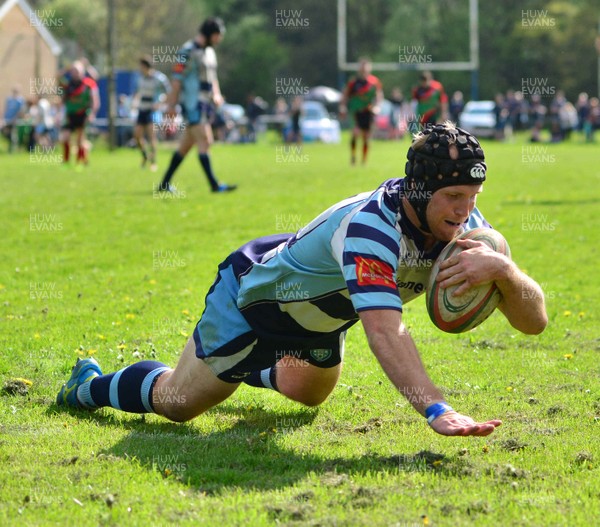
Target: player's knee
[
  {"x": 309, "y": 398},
  {"x": 312, "y": 400},
  {"x": 178, "y": 413}
]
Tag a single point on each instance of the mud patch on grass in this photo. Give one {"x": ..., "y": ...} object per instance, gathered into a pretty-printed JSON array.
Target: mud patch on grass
[
  {"x": 290, "y": 512},
  {"x": 555, "y": 410},
  {"x": 333, "y": 479},
  {"x": 487, "y": 344},
  {"x": 513, "y": 445},
  {"x": 16, "y": 387},
  {"x": 371, "y": 424},
  {"x": 478, "y": 507},
  {"x": 506, "y": 473}
]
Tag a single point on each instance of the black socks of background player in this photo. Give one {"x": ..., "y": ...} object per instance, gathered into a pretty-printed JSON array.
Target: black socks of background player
[
  {"x": 205, "y": 162},
  {"x": 175, "y": 162}
]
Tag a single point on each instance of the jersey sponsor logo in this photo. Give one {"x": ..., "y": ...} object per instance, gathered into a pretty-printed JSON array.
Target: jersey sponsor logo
[
  {"x": 179, "y": 67},
  {"x": 478, "y": 172},
  {"x": 417, "y": 287},
  {"x": 374, "y": 272},
  {"x": 320, "y": 355}
]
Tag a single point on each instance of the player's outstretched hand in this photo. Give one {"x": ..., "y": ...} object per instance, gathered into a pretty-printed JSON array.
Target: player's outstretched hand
[{"x": 454, "y": 424}]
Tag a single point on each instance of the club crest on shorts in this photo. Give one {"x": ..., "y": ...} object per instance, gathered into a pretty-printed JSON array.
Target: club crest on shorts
[{"x": 320, "y": 355}]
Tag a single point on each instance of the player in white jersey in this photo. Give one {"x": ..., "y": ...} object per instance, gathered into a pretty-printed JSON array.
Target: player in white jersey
[
  {"x": 278, "y": 311},
  {"x": 195, "y": 86},
  {"x": 153, "y": 86}
]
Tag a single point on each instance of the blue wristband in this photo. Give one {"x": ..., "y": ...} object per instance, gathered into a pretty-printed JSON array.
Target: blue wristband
[{"x": 435, "y": 410}]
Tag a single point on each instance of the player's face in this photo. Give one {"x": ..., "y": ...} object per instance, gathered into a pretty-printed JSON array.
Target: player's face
[
  {"x": 364, "y": 68},
  {"x": 215, "y": 38},
  {"x": 76, "y": 74},
  {"x": 449, "y": 208}
]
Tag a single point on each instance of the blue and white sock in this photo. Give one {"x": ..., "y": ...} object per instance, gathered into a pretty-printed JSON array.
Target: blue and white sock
[
  {"x": 266, "y": 378},
  {"x": 129, "y": 389}
]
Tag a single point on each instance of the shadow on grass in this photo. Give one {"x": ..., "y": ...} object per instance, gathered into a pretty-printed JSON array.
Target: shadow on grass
[{"x": 251, "y": 453}]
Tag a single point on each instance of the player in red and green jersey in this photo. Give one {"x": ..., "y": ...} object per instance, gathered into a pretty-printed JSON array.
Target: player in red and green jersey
[
  {"x": 361, "y": 98},
  {"x": 431, "y": 100},
  {"x": 81, "y": 100}
]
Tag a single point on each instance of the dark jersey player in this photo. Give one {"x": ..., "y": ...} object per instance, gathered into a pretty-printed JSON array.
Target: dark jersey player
[
  {"x": 81, "y": 101},
  {"x": 430, "y": 99},
  {"x": 361, "y": 98},
  {"x": 278, "y": 311}
]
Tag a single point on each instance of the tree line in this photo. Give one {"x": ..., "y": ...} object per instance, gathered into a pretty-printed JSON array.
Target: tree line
[{"x": 521, "y": 41}]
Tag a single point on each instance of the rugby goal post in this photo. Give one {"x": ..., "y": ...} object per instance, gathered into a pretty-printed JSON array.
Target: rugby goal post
[{"x": 471, "y": 65}]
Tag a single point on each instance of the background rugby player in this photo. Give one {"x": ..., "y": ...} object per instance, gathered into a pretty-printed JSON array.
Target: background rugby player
[
  {"x": 431, "y": 101},
  {"x": 81, "y": 100},
  {"x": 361, "y": 98},
  {"x": 196, "y": 86},
  {"x": 152, "y": 88}
]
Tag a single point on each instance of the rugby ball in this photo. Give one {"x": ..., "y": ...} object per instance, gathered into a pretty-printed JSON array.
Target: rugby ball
[{"x": 457, "y": 314}]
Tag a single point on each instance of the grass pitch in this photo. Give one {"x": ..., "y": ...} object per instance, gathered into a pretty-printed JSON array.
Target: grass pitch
[{"x": 95, "y": 264}]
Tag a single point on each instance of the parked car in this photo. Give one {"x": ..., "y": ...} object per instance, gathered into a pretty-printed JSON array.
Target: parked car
[
  {"x": 317, "y": 125},
  {"x": 479, "y": 118},
  {"x": 386, "y": 125}
]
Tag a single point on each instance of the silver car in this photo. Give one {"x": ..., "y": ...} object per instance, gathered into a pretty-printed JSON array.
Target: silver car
[{"x": 479, "y": 118}]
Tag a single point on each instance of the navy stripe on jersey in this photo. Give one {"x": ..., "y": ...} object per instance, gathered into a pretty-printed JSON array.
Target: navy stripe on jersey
[
  {"x": 235, "y": 344},
  {"x": 359, "y": 230},
  {"x": 354, "y": 287},
  {"x": 373, "y": 207},
  {"x": 270, "y": 323},
  {"x": 252, "y": 252},
  {"x": 336, "y": 306}
]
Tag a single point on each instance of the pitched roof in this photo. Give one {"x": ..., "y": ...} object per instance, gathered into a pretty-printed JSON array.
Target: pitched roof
[{"x": 36, "y": 22}]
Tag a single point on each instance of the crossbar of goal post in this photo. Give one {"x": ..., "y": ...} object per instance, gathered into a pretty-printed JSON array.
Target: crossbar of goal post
[{"x": 471, "y": 65}]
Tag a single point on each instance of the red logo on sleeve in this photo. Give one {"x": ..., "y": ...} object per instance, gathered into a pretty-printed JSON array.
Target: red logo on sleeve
[
  {"x": 178, "y": 67},
  {"x": 374, "y": 272}
]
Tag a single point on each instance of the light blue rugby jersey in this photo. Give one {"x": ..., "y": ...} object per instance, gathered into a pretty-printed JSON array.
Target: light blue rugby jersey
[
  {"x": 196, "y": 69},
  {"x": 359, "y": 254}
]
